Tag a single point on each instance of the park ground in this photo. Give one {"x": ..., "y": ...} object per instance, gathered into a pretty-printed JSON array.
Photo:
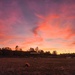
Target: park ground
[{"x": 38, "y": 66}]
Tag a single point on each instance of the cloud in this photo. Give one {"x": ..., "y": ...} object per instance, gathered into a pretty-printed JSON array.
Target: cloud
[
  {"x": 53, "y": 31},
  {"x": 55, "y": 23},
  {"x": 72, "y": 44},
  {"x": 39, "y": 16},
  {"x": 55, "y": 20},
  {"x": 34, "y": 30},
  {"x": 52, "y": 27},
  {"x": 10, "y": 14}
]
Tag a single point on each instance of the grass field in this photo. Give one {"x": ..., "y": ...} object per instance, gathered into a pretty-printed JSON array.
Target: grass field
[{"x": 38, "y": 66}]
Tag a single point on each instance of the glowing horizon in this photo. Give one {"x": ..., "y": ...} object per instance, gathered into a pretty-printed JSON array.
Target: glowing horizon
[{"x": 48, "y": 24}]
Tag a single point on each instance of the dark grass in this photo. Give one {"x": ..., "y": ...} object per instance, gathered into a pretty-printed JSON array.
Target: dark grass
[{"x": 38, "y": 66}]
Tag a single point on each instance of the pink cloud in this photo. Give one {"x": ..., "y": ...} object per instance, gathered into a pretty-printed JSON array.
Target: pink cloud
[
  {"x": 53, "y": 31},
  {"x": 39, "y": 16},
  {"x": 53, "y": 25},
  {"x": 10, "y": 16},
  {"x": 50, "y": 26}
]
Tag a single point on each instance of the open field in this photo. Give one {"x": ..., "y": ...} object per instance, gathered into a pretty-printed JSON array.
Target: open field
[{"x": 38, "y": 66}]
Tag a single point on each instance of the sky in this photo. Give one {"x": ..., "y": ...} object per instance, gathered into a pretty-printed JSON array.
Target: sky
[{"x": 48, "y": 24}]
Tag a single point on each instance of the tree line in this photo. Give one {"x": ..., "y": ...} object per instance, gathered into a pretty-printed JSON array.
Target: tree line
[{"x": 18, "y": 52}]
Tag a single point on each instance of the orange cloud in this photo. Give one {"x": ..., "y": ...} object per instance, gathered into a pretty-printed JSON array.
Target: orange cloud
[
  {"x": 72, "y": 44},
  {"x": 32, "y": 40},
  {"x": 53, "y": 31}
]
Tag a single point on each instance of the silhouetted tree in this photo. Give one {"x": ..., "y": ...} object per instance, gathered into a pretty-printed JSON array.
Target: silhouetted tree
[
  {"x": 20, "y": 49},
  {"x": 6, "y": 51},
  {"x": 0, "y": 52},
  {"x": 36, "y": 49},
  {"x": 54, "y": 53},
  {"x": 17, "y": 48},
  {"x": 47, "y": 52},
  {"x": 0, "y": 48},
  {"x": 41, "y": 52},
  {"x": 31, "y": 50}
]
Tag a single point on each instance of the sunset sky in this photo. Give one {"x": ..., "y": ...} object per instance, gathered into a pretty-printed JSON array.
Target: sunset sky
[{"x": 48, "y": 24}]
